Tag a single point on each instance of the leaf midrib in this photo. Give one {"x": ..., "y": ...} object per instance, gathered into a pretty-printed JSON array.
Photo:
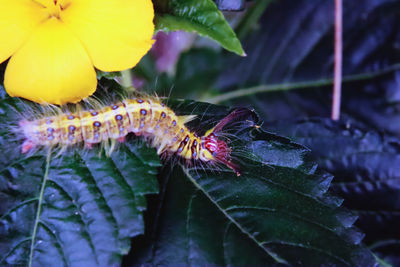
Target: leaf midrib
[
  {"x": 272, "y": 255},
  {"x": 39, "y": 208},
  {"x": 260, "y": 244}
]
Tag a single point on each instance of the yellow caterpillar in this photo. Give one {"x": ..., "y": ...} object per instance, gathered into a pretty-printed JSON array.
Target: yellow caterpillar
[{"x": 142, "y": 116}]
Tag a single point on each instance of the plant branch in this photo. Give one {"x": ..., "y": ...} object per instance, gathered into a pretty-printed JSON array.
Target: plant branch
[
  {"x": 266, "y": 88},
  {"x": 337, "y": 76},
  {"x": 126, "y": 80},
  {"x": 39, "y": 208}
]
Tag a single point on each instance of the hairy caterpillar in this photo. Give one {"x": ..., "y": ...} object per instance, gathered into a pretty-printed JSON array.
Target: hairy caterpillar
[{"x": 142, "y": 116}]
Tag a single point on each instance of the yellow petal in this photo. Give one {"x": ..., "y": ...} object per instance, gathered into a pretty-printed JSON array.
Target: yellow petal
[
  {"x": 51, "y": 67},
  {"x": 44, "y": 3},
  {"x": 18, "y": 19},
  {"x": 116, "y": 34}
]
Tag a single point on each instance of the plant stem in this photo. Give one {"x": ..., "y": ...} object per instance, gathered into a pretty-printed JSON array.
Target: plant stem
[
  {"x": 265, "y": 88},
  {"x": 126, "y": 77},
  {"x": 337, "y": 76},
  {"x": 39, "y": 208}
]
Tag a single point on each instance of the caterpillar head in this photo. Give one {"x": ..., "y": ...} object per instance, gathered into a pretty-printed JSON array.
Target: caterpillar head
[{"x": 215, "y": 149}]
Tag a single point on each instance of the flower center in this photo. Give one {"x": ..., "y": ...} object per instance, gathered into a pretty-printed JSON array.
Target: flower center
[{"x": 53, "y": 8}]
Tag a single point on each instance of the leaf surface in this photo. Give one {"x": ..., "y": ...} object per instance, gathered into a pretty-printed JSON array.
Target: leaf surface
[
  {"x": 201, "y": 16},
  {"x": 366, "y": 168},
  {"x": 276, "y": 212},
  {"x": 81, "y": 209}
]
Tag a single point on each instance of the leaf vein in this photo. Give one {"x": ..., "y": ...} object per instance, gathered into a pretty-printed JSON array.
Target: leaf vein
[
  {"x": 81, "y": 219},
  {"x": 228, "y": 216},
  {"x": 60, "y": 249},
  {"x": 26, "y": 202}
]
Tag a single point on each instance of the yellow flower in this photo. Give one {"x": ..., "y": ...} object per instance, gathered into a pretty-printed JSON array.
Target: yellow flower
[{"x": 54, "y": 44}]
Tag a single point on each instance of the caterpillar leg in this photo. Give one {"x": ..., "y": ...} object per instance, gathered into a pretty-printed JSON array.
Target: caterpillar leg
[{"x": 109, "y": 147}]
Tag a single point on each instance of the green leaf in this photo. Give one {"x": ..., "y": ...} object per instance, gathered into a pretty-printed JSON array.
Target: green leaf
[
  {"x": 78, "y": 209},
  {"x": 277, "y": 211},
  {"x": 365, "y": 164},
  {"x": 82, "y": 209},
  {"x": 108, "y": 75},
  {"x": 201, "y": 16}
]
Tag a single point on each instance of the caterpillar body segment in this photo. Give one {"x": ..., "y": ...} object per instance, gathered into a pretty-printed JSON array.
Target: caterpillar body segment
[{"x": 142, "y": 116}]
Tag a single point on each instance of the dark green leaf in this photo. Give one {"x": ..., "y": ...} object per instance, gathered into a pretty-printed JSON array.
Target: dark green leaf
[
  {"x": 365, "y": 164},
  {"x": 276, "y": 212},
  {"x": 201, "y": 16},
  {"x": 80, "y": 210},
  {"x": 90, "y": 206},
  {"x": 108, "y": 75},
  {"x": 199, "y": 78}
]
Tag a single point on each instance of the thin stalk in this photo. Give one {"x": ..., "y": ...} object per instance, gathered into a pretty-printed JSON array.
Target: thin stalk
[
  {"x": 266, "y": 88},
  {"x": 39, "y": 208},
  {"x": 126, "y": 80},
  {"x": 337, "y": 76}
]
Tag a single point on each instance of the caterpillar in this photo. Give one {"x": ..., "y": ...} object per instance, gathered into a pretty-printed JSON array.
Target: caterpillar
[{"x": 142, "y": 116}]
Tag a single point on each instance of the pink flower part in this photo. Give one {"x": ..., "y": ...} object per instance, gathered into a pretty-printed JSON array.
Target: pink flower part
[{"x": 168, "y": 48}]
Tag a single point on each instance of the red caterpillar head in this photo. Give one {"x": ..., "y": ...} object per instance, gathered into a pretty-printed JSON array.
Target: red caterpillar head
[{"x": 214, "y": 149}]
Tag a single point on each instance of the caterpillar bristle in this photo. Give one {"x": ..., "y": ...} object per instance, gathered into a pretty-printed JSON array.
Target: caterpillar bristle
[{"x": 93, "y": 122}]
